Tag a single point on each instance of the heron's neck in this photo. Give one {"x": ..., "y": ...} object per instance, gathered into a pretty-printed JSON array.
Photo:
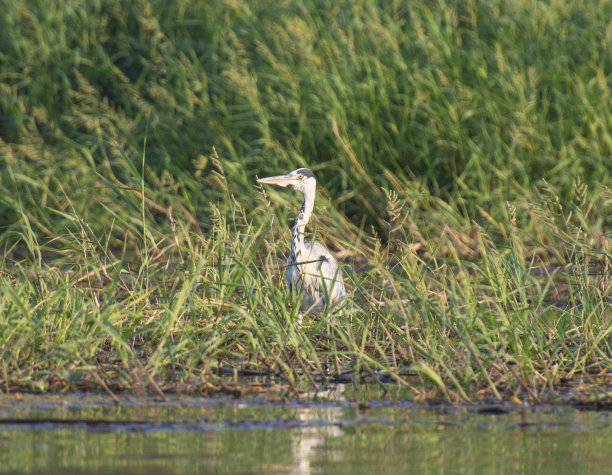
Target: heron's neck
[{"x": 298, "y": 249}]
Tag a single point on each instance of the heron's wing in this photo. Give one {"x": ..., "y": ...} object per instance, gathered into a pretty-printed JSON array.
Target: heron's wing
[
  {"x": 327, "y": 266},
  {"x": 316, "y": 250}
]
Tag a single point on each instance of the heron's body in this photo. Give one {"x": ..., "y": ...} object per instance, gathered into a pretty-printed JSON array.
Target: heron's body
[
  {"x": 319, "y": 276},
  {"x": 312, "y": 270}
]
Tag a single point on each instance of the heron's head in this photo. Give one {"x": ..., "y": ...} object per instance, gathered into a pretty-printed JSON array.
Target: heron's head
[{"x": 301, "y": 179}]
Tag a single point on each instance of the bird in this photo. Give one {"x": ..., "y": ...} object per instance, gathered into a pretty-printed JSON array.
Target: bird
[{"x": 312, "y": 269}]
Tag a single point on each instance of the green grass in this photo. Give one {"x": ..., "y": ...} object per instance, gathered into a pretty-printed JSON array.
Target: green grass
[{"x": 462, "y": 151}]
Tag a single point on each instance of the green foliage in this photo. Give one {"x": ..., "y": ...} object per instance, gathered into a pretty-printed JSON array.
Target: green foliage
[
  {"x": 477, "y": 100},
  {"x": 474, "y": 138},
  {"x": 453, "y": 316}
]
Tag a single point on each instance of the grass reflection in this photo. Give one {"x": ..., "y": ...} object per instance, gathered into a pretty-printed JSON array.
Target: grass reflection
[{"x": 184, "y": 437}]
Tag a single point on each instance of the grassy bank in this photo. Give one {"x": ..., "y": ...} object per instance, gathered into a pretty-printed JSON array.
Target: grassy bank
[{"x": 463, "y": 156}]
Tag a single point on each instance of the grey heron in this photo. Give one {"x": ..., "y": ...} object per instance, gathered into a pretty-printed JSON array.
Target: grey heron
[{"x": 312, "y": 269}]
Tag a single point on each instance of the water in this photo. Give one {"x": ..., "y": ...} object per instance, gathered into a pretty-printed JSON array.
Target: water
[{"x": 84, "y": 433}]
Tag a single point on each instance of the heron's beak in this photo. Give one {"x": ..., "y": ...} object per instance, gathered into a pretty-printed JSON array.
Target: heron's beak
[{"x": 281, "y": 180}]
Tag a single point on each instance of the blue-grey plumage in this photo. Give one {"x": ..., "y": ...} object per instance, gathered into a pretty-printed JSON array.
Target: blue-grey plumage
[{"x": 312, "y": 269}]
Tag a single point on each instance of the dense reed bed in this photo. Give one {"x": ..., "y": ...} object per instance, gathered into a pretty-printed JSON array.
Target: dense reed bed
[{"x": 462, "y": 151}]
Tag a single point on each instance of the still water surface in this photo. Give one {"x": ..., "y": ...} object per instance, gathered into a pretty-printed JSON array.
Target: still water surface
[{"x": 84, "y": 433}]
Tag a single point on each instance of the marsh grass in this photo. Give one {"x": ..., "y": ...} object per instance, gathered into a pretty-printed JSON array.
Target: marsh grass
[
  {"x": 462, "y": 153},
  {"x": 454, "y": 316}
]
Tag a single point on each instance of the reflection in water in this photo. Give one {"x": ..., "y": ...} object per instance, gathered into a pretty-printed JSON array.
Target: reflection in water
[
  {"x": 320, "y": 424},
  {"x": 193, "y": 435}
]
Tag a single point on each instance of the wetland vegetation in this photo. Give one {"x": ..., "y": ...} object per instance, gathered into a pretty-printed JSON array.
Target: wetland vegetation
[{"x": 463, "y": 155}]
